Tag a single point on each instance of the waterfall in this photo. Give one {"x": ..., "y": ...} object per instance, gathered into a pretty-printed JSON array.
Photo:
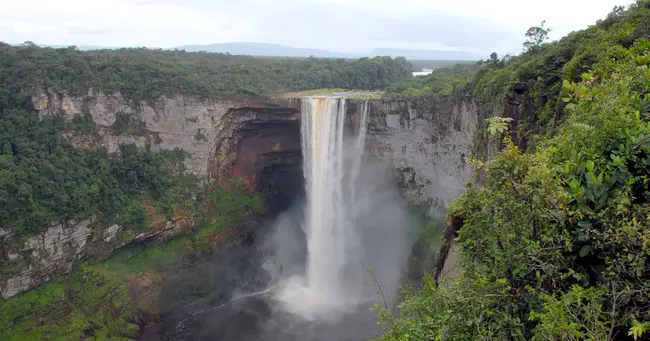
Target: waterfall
[{"x": 332, "y": 162}]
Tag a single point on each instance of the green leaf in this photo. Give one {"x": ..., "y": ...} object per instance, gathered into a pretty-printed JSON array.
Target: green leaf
[
  {"x": 585, "y": 250},
  {"x": 581, "y": 237},
  {"x": 590, "y": 166},
  {"x": 637, "y": 329},
  {"x": 584, "y": 224}
]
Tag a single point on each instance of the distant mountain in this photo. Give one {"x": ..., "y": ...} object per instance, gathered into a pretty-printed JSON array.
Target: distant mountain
[
  {"x": 427, "y": 54},
  {"x": 263, "y": 49},
  {"x": 276, "y": 50}
]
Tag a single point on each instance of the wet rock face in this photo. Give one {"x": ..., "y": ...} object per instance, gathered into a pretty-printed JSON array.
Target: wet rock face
[
  {"x": 269, "y": 157},
  {"x": 281, "y": 179},
  {"x": 427, "y": 145}
]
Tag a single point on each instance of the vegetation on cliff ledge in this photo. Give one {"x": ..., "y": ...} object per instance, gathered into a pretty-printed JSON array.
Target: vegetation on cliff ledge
[
  {"x": 111, "y": 300},
  {"x": 45, "y": 178},
  {"x": 555, "y": 243}
]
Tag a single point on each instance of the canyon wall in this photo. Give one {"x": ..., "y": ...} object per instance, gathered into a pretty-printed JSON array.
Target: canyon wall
[
  {"x": 427, "y": 144},
  {"x": 203, "y": 127},
  {"x": 258, "y": 140},
  {"x": 37, "y": 259}
]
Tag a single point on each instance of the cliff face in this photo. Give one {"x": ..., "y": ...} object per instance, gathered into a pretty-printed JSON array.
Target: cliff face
[
  {"x": 258, "y": 141},
  {"x": 34, "y": 262},
  {"x": 427, "y": 145},
  {"x": 203, "y": 127}
]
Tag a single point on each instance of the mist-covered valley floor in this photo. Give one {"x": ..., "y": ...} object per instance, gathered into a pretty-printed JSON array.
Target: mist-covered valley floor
[{"x": 246, "y": 287}]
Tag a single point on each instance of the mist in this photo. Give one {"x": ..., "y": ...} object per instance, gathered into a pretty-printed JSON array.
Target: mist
[
  {"x": 348, "y": 242},
  {"x": 379, "y": 246}
]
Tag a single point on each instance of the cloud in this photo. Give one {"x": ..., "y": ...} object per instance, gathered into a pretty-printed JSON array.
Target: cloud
[
  {"x": 342, "y": 25},
  {"x": 350, "y": 27},
  {"x": 93, "y": 31}
]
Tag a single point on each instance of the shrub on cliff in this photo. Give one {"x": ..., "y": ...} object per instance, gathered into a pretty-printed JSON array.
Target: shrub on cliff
[{"x": 555, "y": 244}]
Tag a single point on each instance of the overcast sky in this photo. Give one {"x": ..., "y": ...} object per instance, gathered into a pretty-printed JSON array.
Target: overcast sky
[{"x": 480, "y": 26}]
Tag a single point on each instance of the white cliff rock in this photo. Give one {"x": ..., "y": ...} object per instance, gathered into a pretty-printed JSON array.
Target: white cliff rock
[{"x": 427, "y": 146}]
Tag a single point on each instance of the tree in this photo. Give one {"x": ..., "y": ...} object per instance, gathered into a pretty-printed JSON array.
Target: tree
[
  {"x": 494, "y": 58},
  {"x": 536, "y": 35}
]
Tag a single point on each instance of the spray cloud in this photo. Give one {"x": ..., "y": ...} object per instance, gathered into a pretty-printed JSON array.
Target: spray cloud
[{"x": 353, "y": 223}]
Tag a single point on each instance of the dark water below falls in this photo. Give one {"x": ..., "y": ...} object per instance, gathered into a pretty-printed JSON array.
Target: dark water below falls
[
  {"x": 257, "y": 319},
  {"x": 243, "y": 312}
]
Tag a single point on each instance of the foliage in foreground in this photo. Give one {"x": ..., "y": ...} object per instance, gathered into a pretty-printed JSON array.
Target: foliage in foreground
[{"x": 555, "y": 244}]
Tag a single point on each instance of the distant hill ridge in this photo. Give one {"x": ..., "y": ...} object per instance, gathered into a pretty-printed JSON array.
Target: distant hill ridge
[
  {"x": 277, "y": 50},
  {"x": 272, "y": 50}
]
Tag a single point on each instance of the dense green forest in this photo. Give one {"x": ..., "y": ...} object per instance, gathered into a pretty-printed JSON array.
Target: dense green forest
[
  {"x": 441, "y": 83},
  {"x": 148, "y": 74},
  {"x": 419, "y": 64},
  {"x": 44, "y": 178},
  {"x": 554, "y": 243},
  {"x": 538, "y": 73}
]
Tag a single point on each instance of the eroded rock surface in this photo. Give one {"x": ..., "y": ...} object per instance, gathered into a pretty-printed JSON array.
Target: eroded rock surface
[
  {"x": 32, "y": 262},
  {"x": 427, "y": 145}
]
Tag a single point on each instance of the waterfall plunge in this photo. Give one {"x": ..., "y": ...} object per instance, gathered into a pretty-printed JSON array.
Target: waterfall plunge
[
  {"x": 331, "y": 166},
  {"x": 332, "y": 162}
]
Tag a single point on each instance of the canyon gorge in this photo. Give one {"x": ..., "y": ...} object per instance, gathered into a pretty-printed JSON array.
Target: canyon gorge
[
  {"x": 256, "y": 140},
  {"x": 166, "y": 195}
]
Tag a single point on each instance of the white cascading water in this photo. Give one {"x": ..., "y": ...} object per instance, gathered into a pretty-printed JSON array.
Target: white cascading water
[{"x": 331, "y": 164}]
